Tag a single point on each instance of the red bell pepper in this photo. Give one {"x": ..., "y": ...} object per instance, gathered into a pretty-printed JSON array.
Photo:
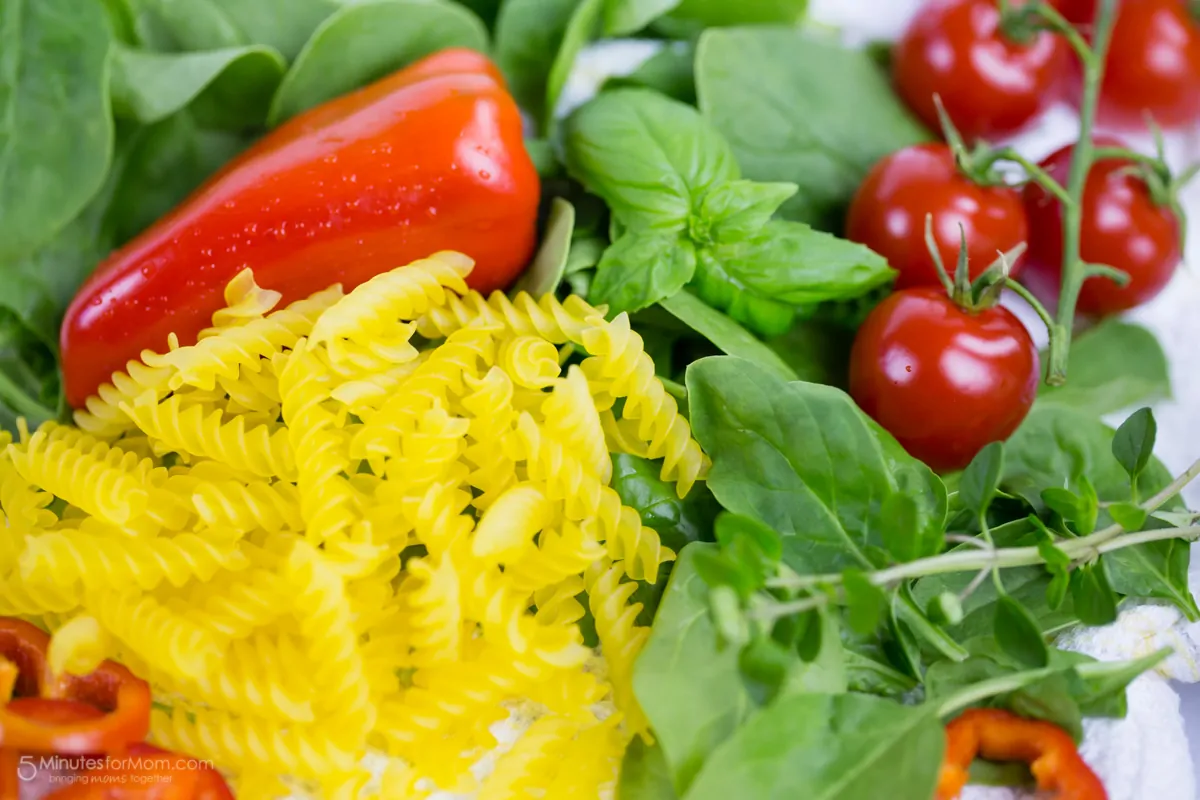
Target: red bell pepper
[
  {"x": 103, "y": 712},
  {"x": 1003, "y": 736},
  {"x": 430, "y": 158}
]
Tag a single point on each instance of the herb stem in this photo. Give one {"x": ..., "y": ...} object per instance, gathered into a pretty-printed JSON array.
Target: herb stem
[
  {"x": 1074, "y": 271},
  {"x": 990, "y": 688}
]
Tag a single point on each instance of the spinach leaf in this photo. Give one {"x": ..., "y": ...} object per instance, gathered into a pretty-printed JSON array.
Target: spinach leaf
[
  {"x": 650, "y": 158},
  {"x": 689, "y": 687},
  {"x": 581, "y": 29},
  {"x": 644, "y": 774},
  {"x": 816, "y": 351},
  {"x": 284, "y": 25},
  {"x": 1054, "y": 442},
  {"x": 678, "y": 522},
  {"x": 731, "y": 338},
  {"x": 486, "y": 10},
  {"x": 546, "y": 270},
  {"x": 1114, "y": 366},
  {"x": 826, "y": 747},
  {"x": 57, "y": 133},
  {"x": 779, "y": 97},
  {"x": 670, "y": 71},
  {"x": 182, "y": 25},
  {"x": 529, "y": 37},
  {"x": 228, "y": 88},
  {"x": 167, "y": 162},
  {"x": 806, "y": 461},
  {"x": 623, "y": 17},
  {"x": 362, "y": 43}
]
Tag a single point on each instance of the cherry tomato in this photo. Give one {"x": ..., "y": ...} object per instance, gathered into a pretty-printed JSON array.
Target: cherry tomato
[
  {"x": 1123, "y": 227},
  {"x": 944, "y": 381},
  {"x": 990, "y": 85},
  {"x": 1153, "y": 64},
  {"x": 889, "y": 208}
]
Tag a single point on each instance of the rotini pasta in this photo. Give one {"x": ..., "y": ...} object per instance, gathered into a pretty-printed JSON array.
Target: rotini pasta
[{"x": 345, "y": 538}]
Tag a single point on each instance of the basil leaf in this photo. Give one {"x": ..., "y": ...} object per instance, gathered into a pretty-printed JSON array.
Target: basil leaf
[
  {"x": 546, "y": 270},
  {"x": 650, "y": 158},
  {"x": 58, "y": 130},
  {"x": 780, "y": 98},
  {"x": 642, "y": 268},
  {"x": 690, "y": 689},
  {"x": 806, "y": 461},
  {"x": 1113, "y": 366},
  {"x": 229, "y": 88},
  {"x": 644, "y": 774},
  {"x": 716, "y": 286},
  {"x": 825, "y": 747},
  {"x": 1095, "y": 602},
  {"x": 791, "y": 263},
  {"x": 362, "y": 43},
  {"x": 670, "y": 71},
  {"x": 738, "y": 210},
  {"x": 729, "y": 337}
]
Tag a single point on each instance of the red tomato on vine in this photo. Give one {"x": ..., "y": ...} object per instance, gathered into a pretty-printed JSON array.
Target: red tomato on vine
[
  {"x": 944, "y": 380},
  {"x": 990, "y": 84},
  {"x": 889, "y": 210}
]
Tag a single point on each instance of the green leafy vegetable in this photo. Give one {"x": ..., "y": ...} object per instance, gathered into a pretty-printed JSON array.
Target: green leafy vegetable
[
  {"x": 227, "y": 88},
  {"x": 692, "y": 16},
  {"x": 691, "y": 690},
  {"x": 723, "y": 332},
  {"x": 644, "y": 774},
  {"x": 779, "y": 97},
  {"x": 803, "y": 458},
  {"x": 1113, "y": 366},
  {"x": 678, "y": 522},
  {"x": 638, "y": 270},
  {"x": 824, "y": 747},
  {"x": 546, "y": 270},
  {"x": 363, "y": 42},
  {"x": 670, "y": 71},
  {"x": 1133, "y": 443},
  {"x": 57, "y": 130},
  {"x": 865, "y": 601},
  {"x": 582, "y": 27}
]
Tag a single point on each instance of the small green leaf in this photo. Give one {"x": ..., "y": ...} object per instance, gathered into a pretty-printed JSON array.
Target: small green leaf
[
  {"x": 1056, "y": 590},
  {"x": 642, "y": 268},
  {"x": 1018, "y": 634},
  {"x": 1095, "y": 601},
  {"x": 1133, "y": 444},
  {"x": 726, "y": 611},
  {"x": 765, "y": 664},
  {"x": 644, "y": 773},
  {"x": 981, "y": 478},
  {"x": 899, "y": 522},
  {"x": 738, "y": 209},
  {"x": 1063, "y": 502},
  {"x": 731, "y": 528},
  {"x": 1049, "y": 699},
  {"x": 1089, "y": 507},
  {"x": 1100, "y": 689},
  {"x": 904, "y": 647},
  {"x": 719, "y": 569},
  {"x": 546, "y": 271},
  {"x": 1129, "y": 516},
  {"x": 866, "y": 602}
]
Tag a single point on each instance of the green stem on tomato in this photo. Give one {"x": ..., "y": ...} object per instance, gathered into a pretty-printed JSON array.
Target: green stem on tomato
[
  {"x": 1035, "y": 173},
  {"x": 1074, "y": 271},
  {"x": 1034, "y": 303}
]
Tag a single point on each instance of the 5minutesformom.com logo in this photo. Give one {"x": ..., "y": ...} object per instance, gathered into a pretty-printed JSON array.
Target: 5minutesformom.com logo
[{"x": 85, "y": 769}]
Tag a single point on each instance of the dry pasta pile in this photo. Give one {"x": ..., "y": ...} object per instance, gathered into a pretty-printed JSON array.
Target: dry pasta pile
[{"x": 362, "y": 523}]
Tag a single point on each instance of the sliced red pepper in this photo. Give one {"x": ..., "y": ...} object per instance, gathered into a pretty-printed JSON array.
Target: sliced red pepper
[
  {"x": 1003, "y": 736},
  {"x": 430, "y": 158},
  {"x": 46, "y": 718},
  {"x": 147, "y": 772}
]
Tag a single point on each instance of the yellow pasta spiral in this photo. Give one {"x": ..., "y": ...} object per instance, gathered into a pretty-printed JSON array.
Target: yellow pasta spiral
[
  {"x": 620, "y": 366},
  {"x": 344, "y": 539}
]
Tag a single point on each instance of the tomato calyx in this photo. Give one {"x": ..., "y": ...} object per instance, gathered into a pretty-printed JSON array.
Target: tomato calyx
[
  {"x": 1161, "y": 182},
  {"x": 983, "y": 293}
]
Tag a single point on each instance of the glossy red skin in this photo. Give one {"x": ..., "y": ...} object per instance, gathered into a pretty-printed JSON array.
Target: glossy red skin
[
  {"x": 888, "y": 215},
  {"x": 430, "y": 158},
  {"x": 32, "y": 723},
  {"x": 990, "y": 85},
  {"x": 943, "y": 381},
  {"x": 140, "y": 777},
  {"x": 1122, "y": 227},
  {"x": 1153, "y": 64}
]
